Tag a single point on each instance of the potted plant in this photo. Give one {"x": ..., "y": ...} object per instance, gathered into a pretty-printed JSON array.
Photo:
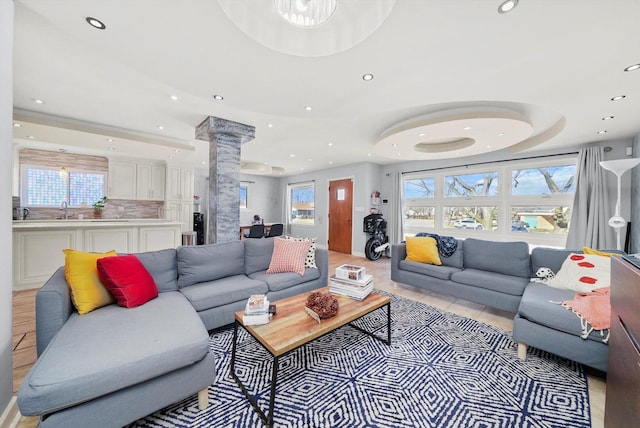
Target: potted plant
[{"x": 98, "y": 206}]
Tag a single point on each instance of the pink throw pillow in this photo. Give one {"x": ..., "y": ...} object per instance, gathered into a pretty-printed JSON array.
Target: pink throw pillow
[{"x": 288, "y": 256}]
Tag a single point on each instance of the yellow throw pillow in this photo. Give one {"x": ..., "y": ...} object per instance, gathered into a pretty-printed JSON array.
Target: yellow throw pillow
[
  {"x": 81, "y": 273},
  {"x": 588, "y": 250},
  {"x": 422, "y": 249}
]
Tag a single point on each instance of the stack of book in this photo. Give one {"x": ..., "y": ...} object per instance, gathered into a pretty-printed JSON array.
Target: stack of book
[
  {"x": 256, "y": 311},
  {"x": 356, "y": 289}
]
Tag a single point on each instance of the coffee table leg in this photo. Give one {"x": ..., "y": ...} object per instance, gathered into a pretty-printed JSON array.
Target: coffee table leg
[
  {"x": 267, "y": 419},
  {"x": 272, "y": 399},
  {"x": 372, "y": 334}
]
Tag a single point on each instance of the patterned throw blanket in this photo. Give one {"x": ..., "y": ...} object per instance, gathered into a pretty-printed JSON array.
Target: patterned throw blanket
[
  {"x": 447, "y": 245},
  {"x": 594, "y": 311}
]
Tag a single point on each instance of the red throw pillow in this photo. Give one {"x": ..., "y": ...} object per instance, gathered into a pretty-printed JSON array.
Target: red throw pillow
[{"x": 127, "y": 280}]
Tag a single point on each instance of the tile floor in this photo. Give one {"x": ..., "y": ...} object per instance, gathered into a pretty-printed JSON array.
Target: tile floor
[{"x": 24, "y": 340}]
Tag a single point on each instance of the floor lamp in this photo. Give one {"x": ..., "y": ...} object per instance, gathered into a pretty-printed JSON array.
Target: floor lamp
[{"x": 619, "y": 167}]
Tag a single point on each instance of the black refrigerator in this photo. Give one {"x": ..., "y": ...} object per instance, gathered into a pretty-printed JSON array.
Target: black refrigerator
[{"x": 198, "y": 226}]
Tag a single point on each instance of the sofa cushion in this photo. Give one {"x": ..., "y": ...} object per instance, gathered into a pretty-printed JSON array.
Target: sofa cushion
[
  {"x": 440, "y": 272},
  {"x": 211, "y": 294},
  {"x": 456, "y": 259},
  {"x": 499, "y": 282},
  {"x": 81, "y": 272},
  {"x": 202, "y": 263},
  {"x": 282, "y": 281},
  {"x": 552, "y": 258},
  {"x": 422, "y": 249},
  {"x": 257, "y": 254},
  {"x": 126, "y": 278},
  {"x": 508, "y": 258},
  {"x": 113, "y": 348},
  {"x": 540, "y": 304},
  {"x": 288, "y": 256},
  {"x": 163, "y": 267}
]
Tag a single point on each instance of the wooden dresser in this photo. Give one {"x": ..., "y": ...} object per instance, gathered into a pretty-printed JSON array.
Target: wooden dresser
[{"x": 623, "y": 377}]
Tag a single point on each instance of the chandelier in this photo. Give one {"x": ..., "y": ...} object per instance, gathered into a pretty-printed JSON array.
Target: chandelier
[{"x": 305, "y": 13}]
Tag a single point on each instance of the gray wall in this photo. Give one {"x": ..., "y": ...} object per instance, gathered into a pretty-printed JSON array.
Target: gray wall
[
  {"x": 6, "y": 171},
  {"x": 366, "y": 179}
]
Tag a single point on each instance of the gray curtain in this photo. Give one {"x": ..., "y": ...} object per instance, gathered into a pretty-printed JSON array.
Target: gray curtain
[
  {"x": 591, "y": 205},
  {"x": 394, "y": 225}
]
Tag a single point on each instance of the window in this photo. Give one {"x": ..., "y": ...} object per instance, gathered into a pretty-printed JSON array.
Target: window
[
  {"x": 301, "y": 203},
  {"x": 243, "y": 195},
  {"x": 526, "y": 200},
  {"x": 46, "y": 187}
]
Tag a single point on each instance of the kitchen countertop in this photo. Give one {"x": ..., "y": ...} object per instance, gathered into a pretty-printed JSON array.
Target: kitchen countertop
[{"x": 93, "y": 223}]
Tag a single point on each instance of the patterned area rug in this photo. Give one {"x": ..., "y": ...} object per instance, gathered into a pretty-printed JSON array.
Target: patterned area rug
[{"x": 441, "y": 370}]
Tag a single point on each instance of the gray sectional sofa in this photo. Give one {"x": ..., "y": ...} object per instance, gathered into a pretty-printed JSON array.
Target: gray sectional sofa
[
  {"x": 114, "y": 365},
  {"x": 498, "y": 274}
]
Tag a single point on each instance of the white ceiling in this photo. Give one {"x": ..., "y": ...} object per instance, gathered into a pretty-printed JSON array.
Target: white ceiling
[{"x": 547, "y": 70}]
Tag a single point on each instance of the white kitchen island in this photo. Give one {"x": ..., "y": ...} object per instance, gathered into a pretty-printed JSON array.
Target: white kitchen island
[{"x": 38, "y": 244}]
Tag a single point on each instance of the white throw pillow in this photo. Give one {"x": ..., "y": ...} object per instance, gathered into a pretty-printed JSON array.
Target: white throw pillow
[{"x": 583, "y": 273}]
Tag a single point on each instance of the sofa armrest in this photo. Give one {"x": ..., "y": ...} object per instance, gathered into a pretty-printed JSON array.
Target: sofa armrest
[
  {"x": 53, "y": 308},
  {"x": 322, "y": 262},
  {"x": 398, "y": 253}
]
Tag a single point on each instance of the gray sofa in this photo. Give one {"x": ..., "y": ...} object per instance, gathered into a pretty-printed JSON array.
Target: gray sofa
[
  {"x": 487, "y": 272},
  {"x": 115, "y": 365},
  {"x": 498, "y": 274},
  {"x": 549, "y": 326}
]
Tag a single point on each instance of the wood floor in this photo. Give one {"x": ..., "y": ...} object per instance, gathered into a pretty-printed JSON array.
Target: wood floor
[{"x": 24, "y": 339}]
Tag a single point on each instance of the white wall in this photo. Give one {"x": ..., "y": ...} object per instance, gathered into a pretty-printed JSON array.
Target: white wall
[
  {"x": 366, "y": 178},
  {"x": 263, "y": 198},
  {"x": 6, "y": 180}
]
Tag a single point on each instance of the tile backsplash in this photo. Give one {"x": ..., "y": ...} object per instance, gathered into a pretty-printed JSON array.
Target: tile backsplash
[{"x": 115, "y": 208}]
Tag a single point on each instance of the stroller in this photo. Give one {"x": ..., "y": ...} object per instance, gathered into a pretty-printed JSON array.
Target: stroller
[{"x": 378, "y": 243}]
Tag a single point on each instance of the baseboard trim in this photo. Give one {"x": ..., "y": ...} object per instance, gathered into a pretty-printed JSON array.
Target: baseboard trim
[{"x": 11, "y": 415}]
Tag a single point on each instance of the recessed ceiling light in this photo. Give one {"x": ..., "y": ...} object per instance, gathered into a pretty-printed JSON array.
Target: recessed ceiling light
[
  {"x": 394, "y": 145},
  {"x": 330, "y": 162},
  {"x": 466, "y": 128},
  {"x": 602, "y": 132},
  {"x": 632, "y": 67},
  {"x": 607, "y": 117},
  {"x": 17, "y": 125},
  {"x": 204, "y": 162},
  {"x": 367, "y": 77},
  {"x": 31, "y": 137},
  {"x": 397, "y": 153},
  {"x": 421, "y": 134},
  {"x": 500, "y": 134},
  {"x": 109, "y": 139},
  {"x": 170, "y": 156},
  {"x": 307, "y": 108},
  {"x": 618, "y": 97},
  {"x": 177, "y": 150},
  {"x": 270, "y": 125},
  {"x": 301, "y": 168},
  {"x": 218, "y": 97},
  {"x": 507, "y": 6},
  {"x": 174, "y": 97},
  {"x": 95, "y": 23},
  {"x": 369, "y": 154},
  {"x": 292, "y": 155},
  {"x": 37, "y": 101},
  {"x": 160, "y": 127}
]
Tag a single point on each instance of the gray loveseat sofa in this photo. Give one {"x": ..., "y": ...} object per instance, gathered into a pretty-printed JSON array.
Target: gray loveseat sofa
[
  {"x": 487, "y": 272},
  {"x": 498, "y": 274},
  {"x": 114, "y": 365}
]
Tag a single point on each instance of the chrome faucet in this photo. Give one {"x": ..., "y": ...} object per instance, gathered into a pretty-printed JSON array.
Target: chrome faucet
[{"x": 64, "y": 207}]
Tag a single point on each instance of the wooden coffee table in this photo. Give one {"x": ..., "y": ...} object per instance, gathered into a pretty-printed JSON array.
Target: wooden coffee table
[{"x": 292, "y": 327}]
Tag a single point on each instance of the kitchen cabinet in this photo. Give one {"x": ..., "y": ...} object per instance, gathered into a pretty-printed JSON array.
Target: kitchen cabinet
[
  {"x": 122, "y": 179},
  {"x": 150, "y": 182},
  {"x": 38, "y": 245},
  {"x": 179, "y": 196},
  {"x": 135, "y": 180}
]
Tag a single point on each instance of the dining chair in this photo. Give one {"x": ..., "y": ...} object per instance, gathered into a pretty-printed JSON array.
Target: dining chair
[
  {"x": 275, "y": 230},
  {"x": 256, "y": 231}
]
